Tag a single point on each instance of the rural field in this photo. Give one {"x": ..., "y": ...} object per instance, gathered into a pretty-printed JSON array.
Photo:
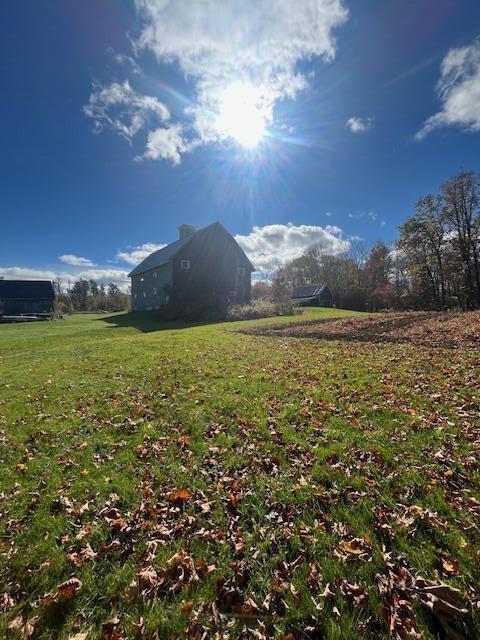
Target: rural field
[{"x": 294, "y": 478}]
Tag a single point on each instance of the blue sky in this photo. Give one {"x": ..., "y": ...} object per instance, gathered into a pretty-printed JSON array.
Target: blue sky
[{"x": 122, "y": 119}]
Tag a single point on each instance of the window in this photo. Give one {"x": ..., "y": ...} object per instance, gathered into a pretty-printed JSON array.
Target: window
[
  {"x": 135, "y": 296},
  {"x": 154, "y": 274},
  {"x": 185, "y": 265},
  {"x": 154, "y": 291},
  {"x": 241, "y": 271},
  {"x": 144, "y": 294}
]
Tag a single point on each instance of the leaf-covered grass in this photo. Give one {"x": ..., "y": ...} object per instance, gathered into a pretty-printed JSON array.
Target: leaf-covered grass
[{"x": 198, "y": 481}]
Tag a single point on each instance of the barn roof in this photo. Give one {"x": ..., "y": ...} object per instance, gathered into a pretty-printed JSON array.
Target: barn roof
[
  {"x": 26, "y": 290},
  {"x": 309, "y": 291},
  {"x": 164, "y": 255},
  {"x": 161, "y": 256}
]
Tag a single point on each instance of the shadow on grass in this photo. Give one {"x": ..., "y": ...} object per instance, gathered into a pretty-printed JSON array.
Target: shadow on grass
[{"x": 147, "y": 321}]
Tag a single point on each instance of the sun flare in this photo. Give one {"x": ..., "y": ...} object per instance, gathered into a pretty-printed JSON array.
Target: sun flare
[{"x": 242, "y": 115}]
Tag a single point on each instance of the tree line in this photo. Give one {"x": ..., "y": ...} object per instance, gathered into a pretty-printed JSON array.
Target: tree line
[
  {"x": 88, "y": 295},
  {"x": 433, "y": 264}
]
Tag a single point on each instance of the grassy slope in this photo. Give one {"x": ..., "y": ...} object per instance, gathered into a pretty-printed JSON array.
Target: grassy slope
[{"x": 308, "y": 436}]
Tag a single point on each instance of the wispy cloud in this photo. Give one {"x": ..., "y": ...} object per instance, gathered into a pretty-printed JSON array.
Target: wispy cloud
[
  {"x": 76, "y": 261},
  {"x": 273, "y": 245},
  {"x": 413, "y": 70},
  {"x": 124, "y": 60},
  {"x": 119, "y": 107},
  {"x": 217, "y": 44},
  {"x": 135, "y": 255},
  {"x": 367, "y": 215},
  {"x": 458, "y": 90},
  {"x": 359, "y": 125}
]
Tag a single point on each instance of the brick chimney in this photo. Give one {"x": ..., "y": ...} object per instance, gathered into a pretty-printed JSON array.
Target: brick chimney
[{"x": 185, "y": 230}]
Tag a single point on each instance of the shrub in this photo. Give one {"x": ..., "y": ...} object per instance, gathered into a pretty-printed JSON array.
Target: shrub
[{"x": 261, "y": 309}]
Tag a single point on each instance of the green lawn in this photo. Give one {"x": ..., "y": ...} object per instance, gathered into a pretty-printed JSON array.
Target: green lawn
[{"x": 198, "y": 481}]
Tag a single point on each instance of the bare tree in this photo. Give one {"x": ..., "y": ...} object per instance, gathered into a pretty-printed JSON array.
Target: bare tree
[
  {"x": 423, "y": 241},
  {"x": 461, "y": 209}
]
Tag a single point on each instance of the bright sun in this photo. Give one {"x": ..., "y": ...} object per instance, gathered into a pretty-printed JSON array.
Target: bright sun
[{"x": 241, "y": 115}]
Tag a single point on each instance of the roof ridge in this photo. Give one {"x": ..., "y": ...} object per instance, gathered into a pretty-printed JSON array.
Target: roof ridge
[
  {"x": 142, "y": 266},
  {"x": 164, "y": 255}
]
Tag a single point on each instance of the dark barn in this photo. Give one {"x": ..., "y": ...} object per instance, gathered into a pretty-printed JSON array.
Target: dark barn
[
  {"x": 205, "y": 268},
  {"x": 313, "y": 295},
  {"x": 26, "y": 298}
]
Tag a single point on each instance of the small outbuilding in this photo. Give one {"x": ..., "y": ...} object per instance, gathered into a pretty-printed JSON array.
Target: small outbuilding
[
  {"x": 313, "y": 295},
  {"x": 26, "y": 298}
]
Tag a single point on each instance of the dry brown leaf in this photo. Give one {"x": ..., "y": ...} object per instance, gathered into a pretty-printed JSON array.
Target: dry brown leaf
[
  {"x": 28, "y": 628},
  {"x": 180, "y": 496},
  {"x": 69, "y": 588},
  {"x": 450, "y": 566},
  {"x": 186, "y": 608},
  {"x": 356, "y": 546},
  {"x": 16, "y": 623},
  {"x": 446, "y": 604},
  {"x": 355, "y": 593}
]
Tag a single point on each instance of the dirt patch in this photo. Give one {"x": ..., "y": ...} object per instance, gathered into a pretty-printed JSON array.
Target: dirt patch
[{"x": 434, "y": 329}]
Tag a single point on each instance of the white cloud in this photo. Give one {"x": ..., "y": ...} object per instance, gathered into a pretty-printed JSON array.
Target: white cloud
[
  {"x": 137, "y": 254},
  {"x": 458, "y": 90},
  {"x": 359, "y": 125},
  {"x": 217, "y": 45},
  {"x": 256, "y": 42},
  {"x": 124, "y": 110},
  {"x": 117, "y": 276},
  {"x": 107, "y": 275},
  {"x": 273, "y": 245},
  {"x": 166, "y": 144},
  {"x": 25, "y": 273},
  {"x": 261, "y": 40},
  {"x": 76, "y": 261},
  {"x": 267, "y": 247}
]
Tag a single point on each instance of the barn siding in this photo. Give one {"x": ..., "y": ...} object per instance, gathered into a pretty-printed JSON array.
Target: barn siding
[
  {"x": 26, "y": 297},
  {"x": 25, "y": 307},
  {"x": 143, "y": 284},
  {"x": 215, "y": 263}
]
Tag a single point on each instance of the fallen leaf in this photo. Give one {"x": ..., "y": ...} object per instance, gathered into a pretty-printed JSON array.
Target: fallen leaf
[
  {"x": 16, "y": 623},
  {"x": 179, "y": 496},
  {"x": 445, "y": 603},
  {"x": 69, "y": 588},
  {"x": 29, "y": 627},
  {"x": 450, "y": 566},
  {"x": 186, "y": 608}
]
